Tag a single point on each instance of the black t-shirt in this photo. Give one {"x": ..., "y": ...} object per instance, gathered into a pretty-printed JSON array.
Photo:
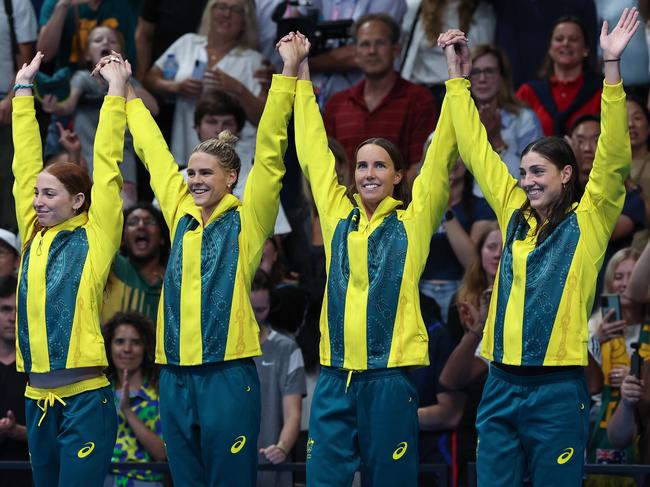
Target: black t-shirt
[
  {"x": 12, "y": 397},
  {"x": 173, "y": 18}
]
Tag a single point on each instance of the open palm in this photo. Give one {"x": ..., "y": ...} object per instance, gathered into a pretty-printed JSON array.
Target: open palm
[
  {"x": 27, "y": 73},
  {"x": 614, "y": 43}
]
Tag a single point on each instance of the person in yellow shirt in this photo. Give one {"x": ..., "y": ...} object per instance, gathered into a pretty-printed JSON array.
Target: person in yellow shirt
[
  {"x": 534, "y": 412},
  {"x": 71, "y": 229},
  {"x": 207, "y": 333},
  {"x": 365, "y": 406}
]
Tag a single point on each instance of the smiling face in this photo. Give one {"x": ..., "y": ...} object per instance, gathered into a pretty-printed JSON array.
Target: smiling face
[
  {"x": 568, "y": 48},
  {"x": 375, "y": 176},
  {"x": 491, "y": 254},
  {"x": 638, "y": 125},
  {"x": 227, "y": 20},
  {"x": 207, "y": 181},
  {"x": 542, "y": 181},
  {"x": 52, "y": 201},
  {"x": 142, "y": 235},
  {"x": 101, "y": 41},
  {"x": 127, "y": 348},
  {"x": 486, "y": 78}
]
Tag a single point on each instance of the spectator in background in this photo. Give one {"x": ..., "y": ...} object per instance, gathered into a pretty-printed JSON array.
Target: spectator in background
[
  {"x": 524, "y": 26},
  {"x": 66, "y": 26},
  {"x": 336, "y": 69},
  {"x": 220, "y": 57},
  {"x": 423, "y": 62},
  {"x": 638, "y": 122},
  {"x": 130, "y": 342},
  {"x": 136, "y": 279},
  {"x": 9, "y": 252},
  {"x": 509, "y": 123},
  {"x": 13, "y": 433},
  {"x": 282, "y": 386},
  {"x": 452, "y": 247},
  {"x": 25, "y": 27},
  {"x": 85, "y": 100},
  {"x": 382, "y": 104},
  {"x": 568, "y": 88},
  {"x": 610, "y": 344}
]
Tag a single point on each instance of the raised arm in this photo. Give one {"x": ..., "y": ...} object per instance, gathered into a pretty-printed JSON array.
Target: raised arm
[
  {"x": 499, "y": 187},
  {"x": 106, "y": 206},
  {"x": 314, "y": 155},
  {"x": 431, "y": 187},
  {"x": 28, "y": 153},
  {"x": 605, "y": 188}
]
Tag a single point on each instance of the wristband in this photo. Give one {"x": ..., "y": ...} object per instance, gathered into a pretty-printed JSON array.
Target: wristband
[
  {"x": 612, "y": 60},
  {"x": 280, "y": 446},
  {"x": 21, "y": 86}
]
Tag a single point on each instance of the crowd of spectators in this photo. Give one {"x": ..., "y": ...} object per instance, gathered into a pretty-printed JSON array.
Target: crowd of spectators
[{"x": 203, "y": 66}]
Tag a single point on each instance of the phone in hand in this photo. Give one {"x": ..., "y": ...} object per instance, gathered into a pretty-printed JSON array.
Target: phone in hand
[
  {"x": 636, "y": 363},
  {"x": 609, "y": 302}
]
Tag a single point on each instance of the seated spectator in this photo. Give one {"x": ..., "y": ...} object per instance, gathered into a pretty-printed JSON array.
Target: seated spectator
[
  {"x": 130, "y": 343},
  {"x": 84, "y": 103},
  {"x": 336, "y": 69},
  {"x": 423, "y": 62},
  {"x": 465, "y": 369},
  {"x": 220, "y": 57},
  {"x": 282, "y": 386},
  {"x": 136, "y": 279},
  {"x": 9, "y": 253},
  {"x": 610, "y": 344},
  {"x": 382, "y": 104},
  {"x": 568, "y": 88},
  {"x": 509, "y": 123},
  {"x": 439, "y": 409},
  {"x": 584, "y": 140},
  {"x": 638, "y": 121},
  {"x": 452, "y": 247},
  {"x": 66, "y": 26},
  {"x": 13, "y": 433}
]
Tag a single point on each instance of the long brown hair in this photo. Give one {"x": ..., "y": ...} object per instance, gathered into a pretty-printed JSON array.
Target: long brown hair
[
  {"x": 433, "y": 12},
  {"x": 475, "y": 280},
  {"x": 401, "y": 191},
  {"x": 506, "y": 95}
]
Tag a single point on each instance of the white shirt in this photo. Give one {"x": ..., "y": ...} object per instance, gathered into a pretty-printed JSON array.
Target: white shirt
[{"x": 26, "y": 31}]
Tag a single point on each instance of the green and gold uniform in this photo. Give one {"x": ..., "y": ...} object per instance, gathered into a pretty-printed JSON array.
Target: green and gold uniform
[
  {"x": 370, "y": 323},
  {"x": 206, "y": 334},
  {"x": 63, "y": 271},
  {"x": 542, "y": 296}
]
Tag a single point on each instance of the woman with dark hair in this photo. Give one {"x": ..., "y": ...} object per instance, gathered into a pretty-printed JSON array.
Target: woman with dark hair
[
  {"x": 130, "y": 341},
  {"x": 638, "y": 121},
  {"x": 534, "y": 411},
  {"x": 568, "y": 87},
  {"x": 69, "y": 244},
  {"x": 365, "y": 404},
  {"x": 135, "y": 281}
]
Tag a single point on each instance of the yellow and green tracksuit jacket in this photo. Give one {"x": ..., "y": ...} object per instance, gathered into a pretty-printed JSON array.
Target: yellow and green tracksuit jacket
[
  {"x": 371, "y": 315},
  {"x": 543, "y": 293},
  {"x": 63, "y": 270},
  {"x": 205, "y": 315}
]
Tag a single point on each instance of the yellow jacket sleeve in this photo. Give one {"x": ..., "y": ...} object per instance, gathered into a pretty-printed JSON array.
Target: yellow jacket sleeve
[
  {"x": 27, "y": 163},
  {"x": 605, "y": 191},
  {"x": 316, "y": 159},
  {"x": 166, "y": 181},
  {"x": 500, "y": 189},
  {"x": 431, "y": 186},
  {"x": 262, "y": 191},
  {"x": 105, "y": 213}
]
